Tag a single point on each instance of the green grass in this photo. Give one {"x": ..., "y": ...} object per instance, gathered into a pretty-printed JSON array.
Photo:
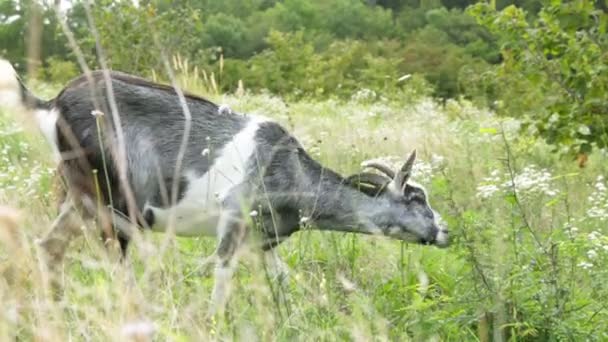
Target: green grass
[{"x": 516, "y": 270}]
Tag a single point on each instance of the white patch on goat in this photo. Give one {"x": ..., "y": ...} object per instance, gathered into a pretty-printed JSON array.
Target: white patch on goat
[
  {"x": 198, "y": 212},
  {"x": 438, "y": 221},
  {"x": 47, "y": 122}
]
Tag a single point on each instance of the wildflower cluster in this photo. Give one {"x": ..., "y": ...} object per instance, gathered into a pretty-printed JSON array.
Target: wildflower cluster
[
  {"x": 597, "y": 244},
  {"x": 598, "y": 200},
  {"x": 364, "y": 95},
  {"x": 531, "y": 180},
  {"x": 13, "y": 179},
  {"x": 422, "y": 171}
]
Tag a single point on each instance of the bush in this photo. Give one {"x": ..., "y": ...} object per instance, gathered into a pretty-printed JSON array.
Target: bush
[
  {"x": 227, "y": 32},
  {"x": 60, "y": 71}
]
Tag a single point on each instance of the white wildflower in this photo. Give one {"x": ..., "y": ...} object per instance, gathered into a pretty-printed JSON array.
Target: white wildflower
[
  {"x": 585, "y": 265},
  {"x": 97, "y": 113},
  {"x": 253, "y": 213},
  {"x": 490, "y": 185},
  {"x": 487, "y": 191},
  {"x": 363, "y": 95},
  {"x": 437, "y": 160},
  {"x": 139, "y": 330},
  {"x": 533, "y": 180},
  {"x": 224, "y": 109},
  {"x": 304, "y": 219},
  {"x": 584, "y": 130},
  {"x": 598, "y": 200},
  {"x": 591, "y": 254},
  {"x": 347, "y": 284},
  {"x": 422, "y": 171},
  {"x": 205, "y": 152},
  {"x": 595, "y": 238},
  {"x": 554, "y": 118},
  {"x": 530, "y": 180}
]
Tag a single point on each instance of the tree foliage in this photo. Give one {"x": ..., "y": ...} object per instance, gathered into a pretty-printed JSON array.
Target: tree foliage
[
  {"x": 246, "y": 32},
  {"x": 555, "y": 70},
  {"x": 542, "y": 60}
]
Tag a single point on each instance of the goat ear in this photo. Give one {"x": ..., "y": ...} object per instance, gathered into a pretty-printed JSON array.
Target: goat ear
[{"x": 407, "y": 167}]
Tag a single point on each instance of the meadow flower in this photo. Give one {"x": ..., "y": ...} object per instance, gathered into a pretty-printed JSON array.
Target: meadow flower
[
  {"x": 423, "y": 171},
  {"x": 572, "y": 229},
  {"x": 224, "y": 109},
  {"x": 138, "y": 330},
  {"x": 489, "y": 185},
  {"x": 585, "y": 265},
  {"x": 437, "y": 161},
  {"x": 97, "y": 113},
  {"x": 598, "y": 200},
  {"x": 487, "y": 191},
  {"x": 595, "y": 237},
  {"x": 530, "y": 180},
  {"x": 347, "y": 284},
  {"x": 363, "y": 95}
]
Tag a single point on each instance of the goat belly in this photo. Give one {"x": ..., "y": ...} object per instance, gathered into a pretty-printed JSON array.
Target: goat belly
[
  {"x": 198, "y": 210},
  {"x": 185, "y": 220}
]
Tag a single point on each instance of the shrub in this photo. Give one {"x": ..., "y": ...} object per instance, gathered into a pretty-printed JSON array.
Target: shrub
[{"x": 60, "y": 71}]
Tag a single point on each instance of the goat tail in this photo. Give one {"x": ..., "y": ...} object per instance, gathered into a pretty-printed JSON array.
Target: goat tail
[{"x": 13, "y": 93}]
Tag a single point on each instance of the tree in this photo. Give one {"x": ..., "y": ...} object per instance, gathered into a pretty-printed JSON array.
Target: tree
[
  {"x": 15, "y": 19},
  {"x": 562, "y": 57}
]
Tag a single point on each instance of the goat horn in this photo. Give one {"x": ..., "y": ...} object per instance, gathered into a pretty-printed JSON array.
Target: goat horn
[
  {"x": 403, "y": 174},
  {"x": 380, "y": 166},
  {"x": 377, "y": 181}
]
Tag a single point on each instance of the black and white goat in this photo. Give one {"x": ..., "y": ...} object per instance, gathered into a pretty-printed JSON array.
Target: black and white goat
[{"x": 238, "y": 173}]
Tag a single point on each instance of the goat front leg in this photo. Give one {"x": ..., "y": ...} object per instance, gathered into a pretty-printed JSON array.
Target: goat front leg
[
  {"x": 231, "y": 232},
  {"x": 276, "y": 227},
  {"x": 278, "y": 272}
]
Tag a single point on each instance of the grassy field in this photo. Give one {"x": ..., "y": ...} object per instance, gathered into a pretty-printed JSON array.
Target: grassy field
[{"x": 527, "y": 263}]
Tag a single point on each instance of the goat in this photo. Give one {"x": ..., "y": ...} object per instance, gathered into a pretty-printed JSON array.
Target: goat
[{"x": 239, "y": 173}]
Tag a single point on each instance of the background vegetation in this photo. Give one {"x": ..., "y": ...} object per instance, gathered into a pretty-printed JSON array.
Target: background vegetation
[{"x": 498, "y": 97}]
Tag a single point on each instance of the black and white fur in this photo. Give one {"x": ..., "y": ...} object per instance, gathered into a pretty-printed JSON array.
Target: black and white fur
[{"x": 240, "y": 174}]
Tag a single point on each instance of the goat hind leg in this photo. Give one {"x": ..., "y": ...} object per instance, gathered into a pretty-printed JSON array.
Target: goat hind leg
[{"x": 65, "y": 228}]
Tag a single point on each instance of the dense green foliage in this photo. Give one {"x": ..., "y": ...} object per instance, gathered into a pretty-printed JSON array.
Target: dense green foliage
[
  {"x": 555, "y": 70},
  {"x": 336, "y": 46},
  {"x": 542, "y": 61}
]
